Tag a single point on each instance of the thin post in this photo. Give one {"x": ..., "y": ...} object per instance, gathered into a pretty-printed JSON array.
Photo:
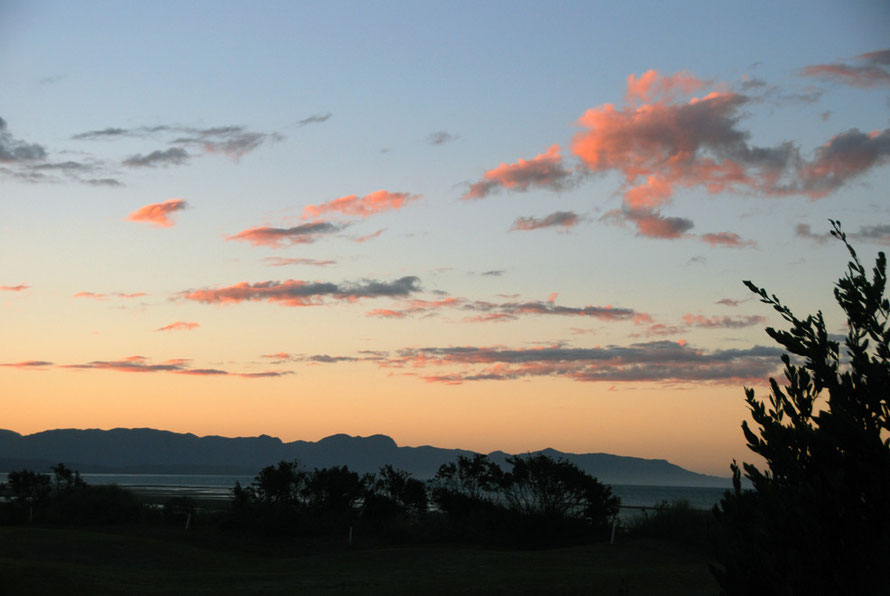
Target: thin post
[
  {"x": 188, "y": 520},
  {"x": 614, "y": 527},
  {"x": 349, "y": 537}
]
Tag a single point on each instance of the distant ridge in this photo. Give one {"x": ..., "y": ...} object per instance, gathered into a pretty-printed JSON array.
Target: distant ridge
[{"x": 147, "y": 450}]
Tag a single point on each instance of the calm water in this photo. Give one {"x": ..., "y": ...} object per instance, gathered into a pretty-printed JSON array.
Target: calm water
[{"x": 220, "y": 486}]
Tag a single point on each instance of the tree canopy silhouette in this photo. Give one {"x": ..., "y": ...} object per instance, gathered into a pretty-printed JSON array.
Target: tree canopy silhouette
[{"x": 818, "y": 519}]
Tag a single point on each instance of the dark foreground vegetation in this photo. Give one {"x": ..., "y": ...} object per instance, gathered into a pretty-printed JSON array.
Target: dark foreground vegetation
[{"x": 473, "y": 529}]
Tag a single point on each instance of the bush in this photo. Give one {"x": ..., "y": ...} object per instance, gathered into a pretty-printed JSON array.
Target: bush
[
  {"x": 817, "y": 521},
  {"x": 675, "y": 521}
]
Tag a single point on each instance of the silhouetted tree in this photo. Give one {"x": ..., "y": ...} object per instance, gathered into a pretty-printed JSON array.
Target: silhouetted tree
[
  {"x": 818, "y": 520},
  {"x": 65, "y": 479},
  {"x": 29, "y": 488},
  {"x": 541, "y": 485},
  {"x": 466, "y": 483},
  {"x": 393, "y": 491},
  {"x": 282, "y": 484}
]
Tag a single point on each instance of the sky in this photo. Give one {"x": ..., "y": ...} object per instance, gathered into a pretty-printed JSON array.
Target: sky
[{"x": 470, "y": 225}]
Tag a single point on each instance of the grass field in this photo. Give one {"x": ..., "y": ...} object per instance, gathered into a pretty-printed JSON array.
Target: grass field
[{"x": 149, "y": 560}]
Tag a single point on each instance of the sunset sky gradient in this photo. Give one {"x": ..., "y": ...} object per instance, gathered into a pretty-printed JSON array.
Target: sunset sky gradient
[{"x": 499, "y": 226}]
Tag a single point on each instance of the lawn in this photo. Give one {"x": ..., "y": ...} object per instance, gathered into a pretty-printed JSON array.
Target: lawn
[{"x": 141, "y": 559}]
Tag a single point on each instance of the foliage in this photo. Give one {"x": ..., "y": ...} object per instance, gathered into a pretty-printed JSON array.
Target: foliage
[
  {"x": 393, "y": 492},
  {"x": 67, "y": 499},
  {"x": 675, "y": 521},
  {"x": 817, "y": 521},
  {"x": 27, "y": 487},
  {"x": 540, "y": 485}
]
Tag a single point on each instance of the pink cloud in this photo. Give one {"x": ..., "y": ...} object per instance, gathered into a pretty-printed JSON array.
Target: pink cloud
[
  {"x": 179, "y": 326},
  {"x": 660, "y": 142},
  {"x": 370, "y": 204},
  {"x": 416, "y": 307},
  {"x": 18, "y": 288},
  {"x": 655, "y": 361},
  {"x": 304, "y": 293},
  {"x": 870, "y": 70},
  {"x": 100, "y": 296},
  {"x": 284, "y": 261},
  {"x": 366, "y": 237},
  {"x": 157, "y": 214},
  {"x": 651, "y": 85},
  {"x": 278, "y": 237},
  {"x": 727, "y": 239},
  {"x": 545, "y": 170},
  {"x": 28, "y": 364}
]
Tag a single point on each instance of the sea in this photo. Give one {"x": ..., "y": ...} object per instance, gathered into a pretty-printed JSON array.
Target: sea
[{"x": 158, "y": 487}]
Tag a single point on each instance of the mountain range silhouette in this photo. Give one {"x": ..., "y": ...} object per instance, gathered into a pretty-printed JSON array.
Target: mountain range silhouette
[{"x": 151, "y": 451}]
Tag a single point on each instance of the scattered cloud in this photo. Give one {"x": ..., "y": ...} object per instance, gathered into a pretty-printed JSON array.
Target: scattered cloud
[
  {"x": 660, "y": 141},
  {"x": 286, "y": 261},
  {"x": 493, "y": 273},
  {"x": 179, "y": 326},
  {"x": 314, "y": 119},
  {"x": 158, "y": 214},
  {"x": 416, "y": 307},
  {"x": 27, "y": 364},
  {"x": 178, "y": 366},
  {"x": 278, "y": 237},
  {"x": 546, "y": 170},
  {"x": 878, "y": 234},
  {"x": 726, "y": 239},
  {"x": 731, "y": 302},
  {"x": 716, "y": 322},
  {"x": 864, "y": 71},
  {"x": 170, "y": 157},
  {"x": 656, "y": 361},
  {"x": 650, "y": 223},
  {"x": 508, "y": 311},
  {"x": 366, "y": 237},
  {"x": 13, "y": 150},
  {"x": 233, "y": 141},
  {"x": 304, "y": 293},
  {"x": 18, "y": 288},
  {"x": 370, "y": 204},
  {"x": 100, "y": 296},
  {"x": 441, "y": 137},
  {"x": 561, "y": 219}
]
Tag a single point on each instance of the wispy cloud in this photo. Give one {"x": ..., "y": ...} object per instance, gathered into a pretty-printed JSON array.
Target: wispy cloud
[
  {"x": 656, "y": 361},
  {"x": 28, "y": 364},
  {"x": 178, "y": 366},
  {"x": 441, "y": 137},
  {"x": 545, "y": 170},
  {"x": 718, "y": 322},
  {"x": 13, "y": 150},
  {"x": 304, "y": 293},
  {"x": 557, "y": 219},
  {"x": 169, "y": 157},
  {"x": 370, "y": 204},
  {"x": 314, "y": 119},
  {"x": 101, "y": 296},
  {"x": 18, "y": 288},
  {"x": 233, "y": 141},
  {"x": 508, "y": 311},
  {"x": 278, "y": 237},
  {"x": 179, "y": 326},
  {"x": 726, "y": 239},
  {"x": 864, "y": 71},
  {"x": 287, "y": 261},
  {"x": 878, "y": 234},
  {"x": 158, "y": 214}
]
